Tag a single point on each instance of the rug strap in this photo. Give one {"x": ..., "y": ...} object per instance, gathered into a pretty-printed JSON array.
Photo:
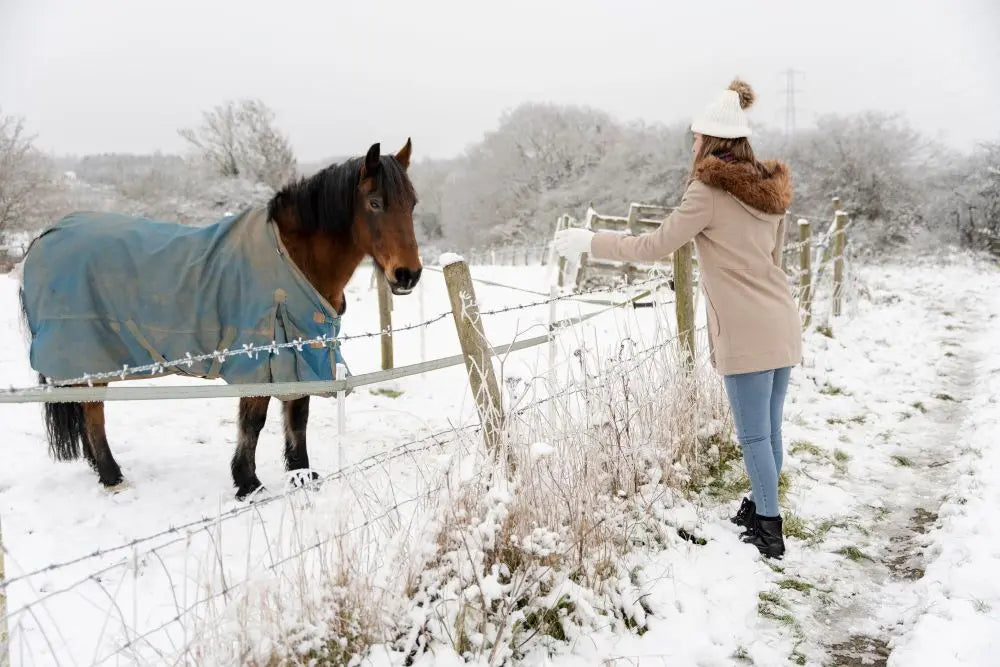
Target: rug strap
[
  {"x": 134, "y": 329},
  {"x": 227, "y": 340}
]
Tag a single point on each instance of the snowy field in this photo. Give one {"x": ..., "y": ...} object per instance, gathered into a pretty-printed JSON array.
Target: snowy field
[{"x": 892, "y": 475}]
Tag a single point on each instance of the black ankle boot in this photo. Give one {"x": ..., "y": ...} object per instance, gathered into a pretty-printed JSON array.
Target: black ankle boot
[
  {"x": 744, "y": 515},
  {"x": 766, "y": 535}
]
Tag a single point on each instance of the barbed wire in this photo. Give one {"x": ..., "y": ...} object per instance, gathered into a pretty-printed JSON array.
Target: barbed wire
[
  {"x": 635, "y": 359},
  {"x": 363, "y": 465},
  {"x": 274, "y": 348}
]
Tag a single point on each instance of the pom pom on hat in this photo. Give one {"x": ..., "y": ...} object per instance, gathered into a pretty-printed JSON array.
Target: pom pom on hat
[{"x": 743, "y": 89}]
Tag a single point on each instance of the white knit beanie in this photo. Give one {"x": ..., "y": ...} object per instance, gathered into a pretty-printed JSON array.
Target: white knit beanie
[{"x": 724, "y": 118}]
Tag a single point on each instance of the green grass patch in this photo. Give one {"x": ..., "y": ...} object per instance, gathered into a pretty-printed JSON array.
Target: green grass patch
[
  {"x": 919, "y": 406},
  {"x": 795, "y": 585},
  {"x": 795, "y": 526},
  {"x": 853, "y": 553},
  {"x": 944, "y": 397},
  {"x": 901, "y": 460},
  {"x": 773, "y": 598},
  {"x": 826, "y": 330},
  {"x": 549, "y": 621},
  {"x": 768, "y": 610},
  {"x": 694, "y": 539},
  {"x": 728, "y": 485},
  {"x": 799, "y": 446},
  {"x": 879, "y": 513},
  {"x": 818, "y": 533},
  {"x": 840, "y": 456},
  {"x": 784, "y": 484},
  {"x": 390, "y": 393},
  {"x": 829, "y": 390},
  {"x": 949, "y": 354},
  {"x": 742, "y": 655},
  {"x": 860, "y": 419}
]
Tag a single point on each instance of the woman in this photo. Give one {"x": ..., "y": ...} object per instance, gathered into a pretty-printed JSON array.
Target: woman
[{"x": 734, "y": 210}]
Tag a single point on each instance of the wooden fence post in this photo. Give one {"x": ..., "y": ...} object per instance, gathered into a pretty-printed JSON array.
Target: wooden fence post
[
  {"x": 684, "y": 299},
  {"x": 4, "y": 633},
  {"x": 838, "y": 261},
  {"x": 805, "y": 271},
  {"x": 385, "y": 320},
  {"x": 784, "y": 255},
  {"x": 560, "y": 261},
  {"x": 633, "y": 219},
  {"x": 581, "y": 266},
  {"x": 476, "y": 349}
]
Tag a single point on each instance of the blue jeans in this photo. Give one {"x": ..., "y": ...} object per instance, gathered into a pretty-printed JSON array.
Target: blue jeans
[{"x": 757, "y": 400}]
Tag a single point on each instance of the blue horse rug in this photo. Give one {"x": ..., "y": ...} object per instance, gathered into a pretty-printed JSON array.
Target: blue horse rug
[{"x": 105, "y": 292}]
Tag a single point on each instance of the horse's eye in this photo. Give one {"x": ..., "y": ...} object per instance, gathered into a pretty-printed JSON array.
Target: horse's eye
[{"x": 375, "y": 203}]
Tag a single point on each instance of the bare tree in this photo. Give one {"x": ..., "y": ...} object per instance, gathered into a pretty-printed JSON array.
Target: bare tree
[
  {"x": 239, "y": 138},
  {"x": 26, "y": 176}
]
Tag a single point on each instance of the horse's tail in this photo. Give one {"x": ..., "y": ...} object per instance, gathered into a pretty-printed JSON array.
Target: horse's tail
[
  {"x": 66, "y": 428},
  {"x": 64, "y": 422}
]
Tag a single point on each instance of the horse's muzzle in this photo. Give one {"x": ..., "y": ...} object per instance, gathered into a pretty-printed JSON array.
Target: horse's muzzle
[{"x": 405, "y": 280}]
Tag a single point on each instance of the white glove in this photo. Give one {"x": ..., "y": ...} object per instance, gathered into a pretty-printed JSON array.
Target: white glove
[{"x": 572, "y": 242}]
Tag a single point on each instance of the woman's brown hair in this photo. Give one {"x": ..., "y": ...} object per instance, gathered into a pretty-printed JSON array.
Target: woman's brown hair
[{"x": 737, "y": 150}]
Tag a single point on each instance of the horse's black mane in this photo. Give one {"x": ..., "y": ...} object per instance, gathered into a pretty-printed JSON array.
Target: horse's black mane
[{"x": 324, "y": 202}]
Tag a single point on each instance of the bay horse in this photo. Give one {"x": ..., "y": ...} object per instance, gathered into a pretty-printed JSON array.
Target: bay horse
[{"x": 328, "y": 223}]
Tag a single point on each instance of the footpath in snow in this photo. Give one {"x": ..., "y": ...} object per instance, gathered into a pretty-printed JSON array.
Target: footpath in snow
[{"x": 893, "y": 464}]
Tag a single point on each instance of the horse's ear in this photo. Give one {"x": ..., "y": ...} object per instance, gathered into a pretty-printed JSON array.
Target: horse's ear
[
  {"x": 403, "y": 156},
  {"x": 370, "y": 167}
]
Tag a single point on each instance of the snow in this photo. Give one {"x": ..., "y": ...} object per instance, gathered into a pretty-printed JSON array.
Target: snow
[
  {"x": 449, "y": 258},
  {"x": 540, "y": 449},
  {"x": 890, "y": 437}
]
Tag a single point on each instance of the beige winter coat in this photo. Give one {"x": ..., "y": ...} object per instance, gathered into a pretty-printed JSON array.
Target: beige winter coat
[{"x": 735, "y": 216}]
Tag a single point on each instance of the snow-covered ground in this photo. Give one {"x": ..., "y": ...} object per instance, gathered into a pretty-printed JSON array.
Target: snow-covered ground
[{"x": 892, "y": 471}]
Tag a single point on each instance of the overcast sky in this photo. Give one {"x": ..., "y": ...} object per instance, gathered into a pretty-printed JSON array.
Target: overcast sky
[{"x": 123, "y": 75}]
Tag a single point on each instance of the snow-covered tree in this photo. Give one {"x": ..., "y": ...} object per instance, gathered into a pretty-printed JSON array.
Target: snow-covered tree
[
  {"x": 26, "y": 176},
  {"x": 239, "y": 138}
]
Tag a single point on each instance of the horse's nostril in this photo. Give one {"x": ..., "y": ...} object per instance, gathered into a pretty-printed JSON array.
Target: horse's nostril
[
  {"x": 407, "y": 278},
  {"x": 403, "y": 276}
]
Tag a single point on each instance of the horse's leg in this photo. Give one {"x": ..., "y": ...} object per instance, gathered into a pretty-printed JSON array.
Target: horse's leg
[
  {"x": 296, "y": 416},
  {"x": 96, "y": 447},
  {"x": 253, "y": 412}
]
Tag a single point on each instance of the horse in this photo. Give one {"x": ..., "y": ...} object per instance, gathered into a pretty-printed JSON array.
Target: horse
[{"x": 327, "y": 223}]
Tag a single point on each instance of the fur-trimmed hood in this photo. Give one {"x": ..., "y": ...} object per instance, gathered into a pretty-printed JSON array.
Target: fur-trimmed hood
[{"x": 771, "y": 193}]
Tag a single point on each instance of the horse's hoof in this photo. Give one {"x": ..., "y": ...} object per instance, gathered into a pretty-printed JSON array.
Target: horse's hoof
[
  {"x": 250, "y": 492},
  {"x": 301, "y": 478},
  {"x": 114, "y": 489}
]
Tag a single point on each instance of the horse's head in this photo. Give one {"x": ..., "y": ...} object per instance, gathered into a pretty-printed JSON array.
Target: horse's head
[{"x": 383, "y": 217}]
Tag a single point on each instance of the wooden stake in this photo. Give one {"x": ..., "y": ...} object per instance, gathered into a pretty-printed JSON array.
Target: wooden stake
[
  {"x": 683, "y": 289},
  {"x": 633, "y": 219},
  {"x": 805, "y": 272},
  {"x": 477, "y": 352},
  {"x": 385, "y": 320},
  {"x": 838, "y": 261}
]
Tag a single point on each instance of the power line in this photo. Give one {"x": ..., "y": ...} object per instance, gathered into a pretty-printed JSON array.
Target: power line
[{"x": 790, "y": 91}]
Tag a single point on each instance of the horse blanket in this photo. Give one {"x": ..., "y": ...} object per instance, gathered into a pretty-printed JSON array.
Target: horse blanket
[{"x": 106, "y": 292}]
